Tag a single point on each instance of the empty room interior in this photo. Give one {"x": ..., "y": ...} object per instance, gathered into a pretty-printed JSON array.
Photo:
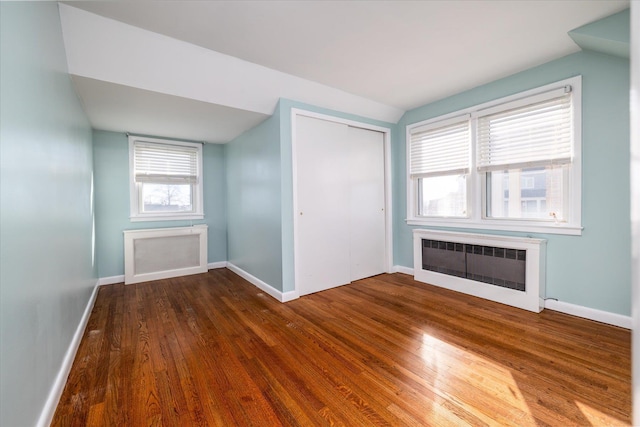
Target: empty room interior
[{"x": 308, "y": 213}]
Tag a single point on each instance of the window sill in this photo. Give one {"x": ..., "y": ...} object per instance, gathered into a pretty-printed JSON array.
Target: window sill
[
  {"x": 490, "y": 225},
  {"x": 176, "y": 217}
]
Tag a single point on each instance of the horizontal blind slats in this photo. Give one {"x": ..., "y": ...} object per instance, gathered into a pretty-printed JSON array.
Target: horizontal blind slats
[
  {"x": 554, "y": 119},
  {"x": 165, "y": 163},
  {"x": 440, "y": 149},
  {"x": 165, "y": 179},
  {"x": 536, "y": 134},
  {"x": 525, "y": 165}
]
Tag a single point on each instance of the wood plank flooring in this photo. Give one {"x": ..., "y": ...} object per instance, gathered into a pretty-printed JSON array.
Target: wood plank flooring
[{"x": 212, "y": 349}]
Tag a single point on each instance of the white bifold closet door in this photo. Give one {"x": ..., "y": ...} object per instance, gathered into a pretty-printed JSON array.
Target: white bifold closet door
[{"x": 340, "y": 200}]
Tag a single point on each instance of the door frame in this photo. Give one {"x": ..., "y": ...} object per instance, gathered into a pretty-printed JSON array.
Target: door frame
[{"x": 388, "y": 199}]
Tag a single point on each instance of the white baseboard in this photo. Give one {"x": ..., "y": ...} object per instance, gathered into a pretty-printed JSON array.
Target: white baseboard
[
  {"x": 219, "y": 264},
  {"x": 564, "y": 307},
  {"x": 280, "y": 296},
  {"x": 289, "y": 296},
  {"x": 111, "y": 280},
  {"x": 402, "y": 269},
  {"x": 589, "y": 313},
  {"x": 120, "y": 279},
  {"x": 46, "y": 416}
]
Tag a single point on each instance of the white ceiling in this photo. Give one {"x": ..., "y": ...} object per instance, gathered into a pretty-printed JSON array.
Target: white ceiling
[
  {"x": 163, "y": 115},
  {"x": 399, "y": 54}
]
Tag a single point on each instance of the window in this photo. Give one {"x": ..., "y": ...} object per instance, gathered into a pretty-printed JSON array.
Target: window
[
  {"x": 166, "y": 179},
  {"x": 510, "y": 164},
  {"x": 440, "y": 164}
]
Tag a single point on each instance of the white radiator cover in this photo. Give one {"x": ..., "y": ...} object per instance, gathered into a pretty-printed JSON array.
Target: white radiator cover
[
  {"x": 532, "y": 298},
  {"x": 160, "y": 253}
]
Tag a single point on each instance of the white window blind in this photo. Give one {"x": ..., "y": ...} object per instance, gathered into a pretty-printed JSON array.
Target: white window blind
[
  {"x": 538, "y": 133},
  {"x": 165, "y": 163},
  {"x": 441, "y": 148}
]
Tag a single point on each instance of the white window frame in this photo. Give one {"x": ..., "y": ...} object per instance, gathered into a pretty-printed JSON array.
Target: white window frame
[
  {"x": 457, "y": 169},
  {"x": 477, "y": 183},
  {"x": 136, "y": 214}
]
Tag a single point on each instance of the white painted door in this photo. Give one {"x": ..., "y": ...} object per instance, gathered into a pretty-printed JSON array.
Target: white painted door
[
  {"x": 366, "y": 201},
  {"x": 322, "y": 190},
  {"x": 340, "y": 232}
]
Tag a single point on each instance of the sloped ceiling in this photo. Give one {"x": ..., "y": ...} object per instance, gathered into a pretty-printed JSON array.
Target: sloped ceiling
[
  {"x": 375, "y": 59},
  {"x": 611, "y": 35},
  {"x": 138, "y": 111}
]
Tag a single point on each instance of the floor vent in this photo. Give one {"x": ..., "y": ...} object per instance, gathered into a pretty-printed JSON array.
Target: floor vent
[
  {"x": 160, "y": 253},
  {"x": 509, "y": 270}
]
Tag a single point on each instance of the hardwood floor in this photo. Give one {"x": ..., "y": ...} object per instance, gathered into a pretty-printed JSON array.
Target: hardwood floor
[{"x": 212, "y": 349}]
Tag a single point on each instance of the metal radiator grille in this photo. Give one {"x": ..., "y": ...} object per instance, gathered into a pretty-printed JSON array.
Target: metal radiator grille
[{"x": 502, "y": 267}]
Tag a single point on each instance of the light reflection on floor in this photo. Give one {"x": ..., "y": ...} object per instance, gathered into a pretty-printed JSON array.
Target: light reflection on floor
[
  {"x": 444, "y": 370},
  {"x": 491, "y": 379},
  {"x": 597, "y": 418}
]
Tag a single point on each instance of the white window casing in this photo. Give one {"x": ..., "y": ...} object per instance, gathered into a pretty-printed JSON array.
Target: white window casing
[
  {"x": 536, "y": 128},
  {"x": 164, "y": 162}
]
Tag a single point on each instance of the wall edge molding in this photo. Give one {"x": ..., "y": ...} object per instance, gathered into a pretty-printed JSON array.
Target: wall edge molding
[
  {"x": 589, "y": 313},
  {"x": 402, "y": 269},
  {"x": 111, "y": 280},
  {"x": 120, "y": 278},
  {"x": 280, "y": 296},
  {"x": 218, "y": 264},
  {"x": 49, "y": 409}
]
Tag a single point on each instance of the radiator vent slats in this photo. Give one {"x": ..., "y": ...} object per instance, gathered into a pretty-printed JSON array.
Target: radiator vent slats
[
  {"x": 488, "y": 264},
  {"x": 444, "y": 257}
]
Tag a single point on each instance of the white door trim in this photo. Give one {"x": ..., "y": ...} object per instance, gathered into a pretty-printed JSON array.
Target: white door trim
[{"x": 295, "y": 112}]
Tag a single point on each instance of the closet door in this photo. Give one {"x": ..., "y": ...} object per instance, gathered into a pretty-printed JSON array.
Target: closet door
[
  {"x": 322, "y": 164},
  {"x": 340, "y": 218},
  {"x": 366, "y": 202}
]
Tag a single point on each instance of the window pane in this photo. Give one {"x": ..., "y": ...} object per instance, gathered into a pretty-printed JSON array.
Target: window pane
[
  {"x": 443, "y": 196},
  {"x": 536, "y": 193},
  {"x": 167, "y": 197}
]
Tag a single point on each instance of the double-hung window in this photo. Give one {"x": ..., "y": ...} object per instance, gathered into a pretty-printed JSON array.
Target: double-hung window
[
  {"x": 440, "y": 165},
  {"x": 165, "y": 179},
  {"x": 522, "y": 170}
]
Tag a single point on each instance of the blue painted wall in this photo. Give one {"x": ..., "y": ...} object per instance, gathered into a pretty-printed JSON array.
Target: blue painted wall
[
  {"x": 47, "y": 268},
  {"x": 111, "y": 169},
  {"x": 592, "y": 270},
  {"x": 260, "y": 195},
  {"x": 254, "y": 202}
]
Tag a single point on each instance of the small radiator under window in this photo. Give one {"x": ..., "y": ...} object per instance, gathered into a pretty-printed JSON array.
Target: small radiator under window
[
  {"x": 504, "y": 269},
  {"x": 489, "y": 264},
  {"x": 161, "y": 253}
]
